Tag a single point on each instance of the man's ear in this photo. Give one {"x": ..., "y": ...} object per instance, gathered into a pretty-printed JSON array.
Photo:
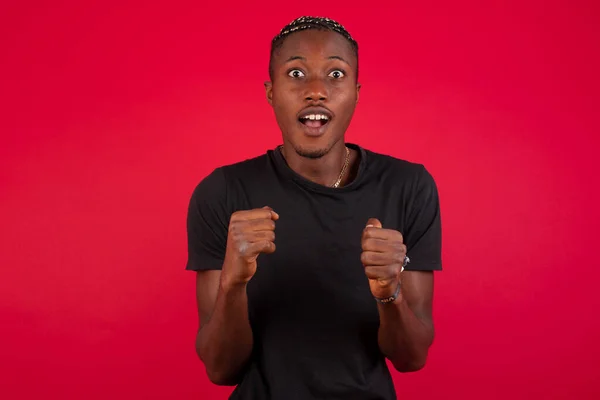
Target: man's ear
[
  {"x": 269, "y": 92},
  {"x": 358, "y": 86}
]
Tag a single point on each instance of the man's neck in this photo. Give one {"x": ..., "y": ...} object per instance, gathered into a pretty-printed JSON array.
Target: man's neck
[{"x": 324, "y": 170}]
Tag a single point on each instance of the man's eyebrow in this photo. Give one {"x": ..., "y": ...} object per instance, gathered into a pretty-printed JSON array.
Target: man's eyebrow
[
  {"x": 338, "y": 58},
  {"x": 292, "y": 58}
]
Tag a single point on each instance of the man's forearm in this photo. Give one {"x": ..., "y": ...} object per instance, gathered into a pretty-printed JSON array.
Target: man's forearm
[
  {"x": 224, "y": 343},
  {"x": 404, "y": 338}
]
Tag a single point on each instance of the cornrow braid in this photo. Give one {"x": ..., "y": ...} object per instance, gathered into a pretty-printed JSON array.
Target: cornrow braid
[{"x": 306, "y": 22}]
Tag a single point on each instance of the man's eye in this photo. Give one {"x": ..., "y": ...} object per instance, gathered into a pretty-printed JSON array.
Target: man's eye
[
  {"x": 337, "y": 74},
  {"x": 296, "y": 73}
]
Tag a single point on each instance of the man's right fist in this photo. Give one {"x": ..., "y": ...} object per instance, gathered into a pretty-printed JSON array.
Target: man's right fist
[{"x": 251, "y": 232}]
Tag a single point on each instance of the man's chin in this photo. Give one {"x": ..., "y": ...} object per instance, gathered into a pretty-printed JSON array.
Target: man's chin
[
  {"x": 311, "y": 153},
  {"x": 312, "y": 148}
]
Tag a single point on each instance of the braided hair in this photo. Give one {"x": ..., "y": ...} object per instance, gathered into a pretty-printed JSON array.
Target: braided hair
[{"x": 306, "y": 22}]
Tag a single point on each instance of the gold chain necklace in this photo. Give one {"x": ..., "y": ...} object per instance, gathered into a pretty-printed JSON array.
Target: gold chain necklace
[{"x": 342, "y": 172}]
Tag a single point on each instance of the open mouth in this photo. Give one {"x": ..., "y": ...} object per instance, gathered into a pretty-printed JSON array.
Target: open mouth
[{"x": 314, "y": 120}]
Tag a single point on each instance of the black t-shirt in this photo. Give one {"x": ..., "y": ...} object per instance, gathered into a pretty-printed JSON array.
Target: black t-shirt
[{"x": 313, "y": 317}]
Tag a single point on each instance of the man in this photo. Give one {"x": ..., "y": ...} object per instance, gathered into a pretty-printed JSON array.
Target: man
[{"x": 304, "y": 286}]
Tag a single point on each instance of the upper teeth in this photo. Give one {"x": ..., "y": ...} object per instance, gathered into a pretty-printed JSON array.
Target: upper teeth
[{"x": 315, "y": 116}]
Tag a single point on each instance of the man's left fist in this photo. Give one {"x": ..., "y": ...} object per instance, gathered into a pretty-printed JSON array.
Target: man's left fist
[{"x": 383, "y": 257}]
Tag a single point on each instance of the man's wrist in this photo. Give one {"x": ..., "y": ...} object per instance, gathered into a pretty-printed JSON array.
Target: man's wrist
[
  {"x": 390, "y": 299},
  {"x": 227, "y": 285}
]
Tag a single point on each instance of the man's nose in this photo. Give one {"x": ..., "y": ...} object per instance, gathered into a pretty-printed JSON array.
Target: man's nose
[{"x": 316, "y": 90}]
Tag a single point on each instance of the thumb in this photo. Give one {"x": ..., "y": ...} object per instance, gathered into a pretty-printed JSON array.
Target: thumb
[
  {"x": 374, "y": 222},
  {"x": 274, "y": 215}
]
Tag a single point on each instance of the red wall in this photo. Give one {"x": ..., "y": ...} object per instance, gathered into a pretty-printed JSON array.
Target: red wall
[{"x": 112, "y": 113}]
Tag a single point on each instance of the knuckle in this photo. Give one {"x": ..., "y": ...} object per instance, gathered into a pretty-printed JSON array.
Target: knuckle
[
  {"x": 399, "y": 257},
  {"x": 399, "y": 252},
  {"x": 371, "y": 274},
  {"x": 392, "y": 271},
  {"x": 365, "y": 244},
  {"x": 365, "y": 258},
  {"x": 235, "y": 227},
  {"x": 266, "y": 235},
  {"x": 268, "y": 246},
  {"x": 237, "y": 235}
]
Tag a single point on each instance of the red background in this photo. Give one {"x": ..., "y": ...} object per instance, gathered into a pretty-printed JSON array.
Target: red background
[{"x": 112, "y": 113}]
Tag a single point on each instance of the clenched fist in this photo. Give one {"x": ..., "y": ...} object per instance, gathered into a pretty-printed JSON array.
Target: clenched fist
[
  {"x": 251, "y": 232},
  {"x": 383, "y": 258}
]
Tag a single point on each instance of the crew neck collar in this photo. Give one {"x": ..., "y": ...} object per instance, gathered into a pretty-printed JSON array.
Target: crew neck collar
[{"x": 290, "y": 173}]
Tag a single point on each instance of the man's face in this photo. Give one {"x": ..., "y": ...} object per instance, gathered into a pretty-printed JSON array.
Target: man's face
[{"x": 314, "y": 90}]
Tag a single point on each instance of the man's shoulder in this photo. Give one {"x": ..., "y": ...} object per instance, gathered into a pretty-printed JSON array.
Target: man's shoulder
[
  {"x": 245, "y": 172},
  {"x": 247, "y": 166},
  {"x": 393, "y": 166},
  {"x": 225, "y": 180}
]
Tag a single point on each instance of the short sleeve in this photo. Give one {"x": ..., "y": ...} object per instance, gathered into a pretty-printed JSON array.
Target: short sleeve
[
  {"x": 423, "y": 229},
  {"x": 208, "y": 223}
]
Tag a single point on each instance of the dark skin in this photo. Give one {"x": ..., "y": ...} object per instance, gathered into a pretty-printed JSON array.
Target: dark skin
[{"x": 312, "y": 68}]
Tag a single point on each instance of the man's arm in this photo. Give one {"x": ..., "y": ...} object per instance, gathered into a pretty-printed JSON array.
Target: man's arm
[
  {"x": 406, "y": 326},
  {"x": 223, "y": 246},
  {"x": 224, "y": 340}
]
